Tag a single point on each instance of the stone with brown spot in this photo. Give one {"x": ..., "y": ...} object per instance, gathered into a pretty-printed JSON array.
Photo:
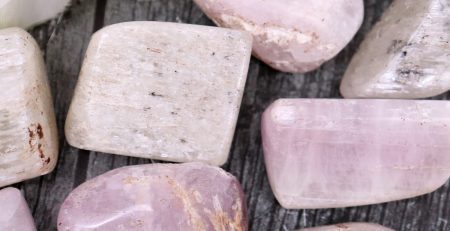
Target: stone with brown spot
[
  {"x": 158, "y": 197},
  {"x": 28, "y": 136}
]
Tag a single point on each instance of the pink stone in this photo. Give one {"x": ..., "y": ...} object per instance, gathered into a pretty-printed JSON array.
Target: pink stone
[
  {"x": 326, "y": 153},
  {"x": 350, "y": 227},
  {"x": 157, "y": 197},
  {"x": 14, "y": 212},
  {"x": 290, "y": 35}
]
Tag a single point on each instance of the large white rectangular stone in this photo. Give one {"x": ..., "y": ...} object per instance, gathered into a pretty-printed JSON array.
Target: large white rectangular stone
[{"x": 160, "y": 90}]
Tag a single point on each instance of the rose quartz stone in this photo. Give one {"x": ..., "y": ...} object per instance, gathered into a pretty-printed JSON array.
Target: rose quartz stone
[
  {"x": 157, "y": 197},
  {"x": 14, "y": 212},
  {"x": 350, "y": 227},
  {"x": 327, "y": 153},
  {"x": 290, "y": 35}
]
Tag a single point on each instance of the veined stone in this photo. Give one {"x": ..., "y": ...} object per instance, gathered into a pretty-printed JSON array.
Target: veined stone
[
  {"x": 15, "y": 214},
  {"x": 28, "y": 135},
  {"x": 406, "y": 55},
  {"x": 327, "y": 153},
  {"x": 158, "y": 197},
  {"x": 350, "y": 227},
  {"x": 160, "y": 90},
  {"x": 291, "y": 35}
]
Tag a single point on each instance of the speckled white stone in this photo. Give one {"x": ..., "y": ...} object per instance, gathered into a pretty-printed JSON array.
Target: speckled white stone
[
  {"x": 28, "y": 135},
  {"x": 160, "y": 90},
  {"x": 354, "y": 226},
  {"x": 291, "y": 35},
  {"x": 15, "y": 214},
  {"x": 406, "y": 55}
]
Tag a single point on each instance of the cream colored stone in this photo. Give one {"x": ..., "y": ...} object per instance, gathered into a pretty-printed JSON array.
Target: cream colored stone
[
  {"x": 160, "y": 90},
  {"x": 28, "y": 135},
  {"x": 406, "y": 55}
]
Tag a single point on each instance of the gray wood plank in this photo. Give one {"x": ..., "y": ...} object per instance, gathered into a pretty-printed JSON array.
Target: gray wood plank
[{"x": 64, "y": 51}]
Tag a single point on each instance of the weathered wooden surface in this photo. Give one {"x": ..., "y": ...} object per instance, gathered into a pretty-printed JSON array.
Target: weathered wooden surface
[{"x": 64, "y": 42}]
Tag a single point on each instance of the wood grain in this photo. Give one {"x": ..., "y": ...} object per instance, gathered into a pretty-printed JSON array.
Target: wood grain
[{"x": 64, "y": 41}]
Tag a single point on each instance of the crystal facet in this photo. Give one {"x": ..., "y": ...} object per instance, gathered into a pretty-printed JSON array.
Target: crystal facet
[
  {"x": 290, "y": 35},
  {"x": 158, "y": 197},
  {"x": 172, "y": 93},
  {"x": 350, "y": 227},
  {"x": 28, "y": 135},
  {"x": 327, "y": 153},
  {"x": 15, "y": 214},
  {"x": 406, "y": 55}
]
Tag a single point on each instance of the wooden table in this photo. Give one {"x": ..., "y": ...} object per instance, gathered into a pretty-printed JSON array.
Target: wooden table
[{"x": 64, "y": 42}]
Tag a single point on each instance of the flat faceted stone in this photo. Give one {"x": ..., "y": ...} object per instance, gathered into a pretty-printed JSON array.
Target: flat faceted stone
[
  {"x": 28, "y": 135},
  {"x": 160, "y": 90},
  {"x": 291, "y": 35},
  {"x": 350, "y": 227},
  {"x": 15, "y": 214},
  {"x": 406, "y": 55},
  {"x": 157, "y": 197},
  {"x": 328, "y": 153}
]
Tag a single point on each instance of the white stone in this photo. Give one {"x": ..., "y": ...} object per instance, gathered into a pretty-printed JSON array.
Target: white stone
[
  {"x": 160, "y": 90},
  {"x": 406, "y": 55},
  {"x": 28, "y": 135}
]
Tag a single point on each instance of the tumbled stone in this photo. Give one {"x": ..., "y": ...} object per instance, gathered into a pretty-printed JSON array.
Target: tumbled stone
[
  {"x": 160, "y": 90},
  {"x": 28, "y": 135},
  {"x": 350, "y": 227},
  {"x": 290, "y": 35},
  {"x": 327, "y": 153},
  {"x": 14, "y": 213},
  {"x": 25, "y": 13},
  {"x": 406, "y": 55},
  {"x": 158, "y": 197}
]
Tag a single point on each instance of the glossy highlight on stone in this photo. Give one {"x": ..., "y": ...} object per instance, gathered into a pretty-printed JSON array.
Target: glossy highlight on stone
[
  {"x": 406, "y": 55},
  {"x": 14, "y": 214},
  {"x": 160, "y": 90},
  {"x": 328, "y": 153},
  {"x": 354, "y": 226},
  {"x": 28, "y": 135},
  {"x": 291, "y": 35},
  {"x": 157, "y": 197}
]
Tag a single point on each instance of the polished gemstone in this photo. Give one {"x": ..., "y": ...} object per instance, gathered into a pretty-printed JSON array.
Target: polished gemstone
[
  {"x": 28, "y": 135},
  {"x": 406, "y": 55},
  {"x": 14, "y": 212},
  {"x": 350, "y": 227},
  {"x": 160, "y": 90},
  {"x": 157, "y": 197},
  {"x": 25, "y": 13},
  {"x": 327, "y": 153},
  {"x": 290, "y": 35}
]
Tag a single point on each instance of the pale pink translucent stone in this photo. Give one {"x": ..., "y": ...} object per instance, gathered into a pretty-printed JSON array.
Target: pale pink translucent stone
[
  {"x": 291, "y": 35},
  {"x": 325, "y": 153},
  {"x": 157, "y": 197},
  {"x": 14, "y": 212},
  {"x": 350, "y": 227}
]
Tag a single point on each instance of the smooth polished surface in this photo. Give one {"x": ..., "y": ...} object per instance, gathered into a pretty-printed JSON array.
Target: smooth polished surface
[
  {"x": 26, "y": 13},
  {"x": 406, "y": 55},
  {"x": 327, "y": 153},
  {"x": 158, "y": 197},
  {"x": 14, "y": 212},
  {"x": 349, "y": 227},
  {"x": 291, "y": 35},
  {"x": 160, "y": 90},
  {"x": 28, "y": 137}
]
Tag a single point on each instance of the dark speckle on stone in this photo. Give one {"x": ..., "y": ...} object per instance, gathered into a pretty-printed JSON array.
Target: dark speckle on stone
[
  {"x": 183, "y": 141},
  {"x": 156, "y": 94}
]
